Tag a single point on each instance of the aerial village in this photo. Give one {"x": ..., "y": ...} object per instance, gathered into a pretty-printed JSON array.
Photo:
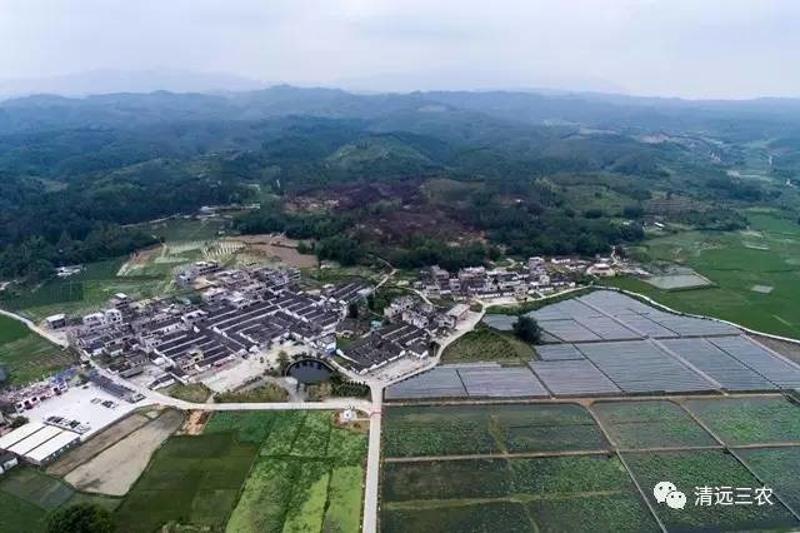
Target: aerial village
[{"x": 237, "y": 323}]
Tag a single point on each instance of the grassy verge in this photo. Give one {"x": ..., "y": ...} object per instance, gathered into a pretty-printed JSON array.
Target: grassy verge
[
  {"x": 193, "y": 392},
  {"x": 268, "y": 392}
]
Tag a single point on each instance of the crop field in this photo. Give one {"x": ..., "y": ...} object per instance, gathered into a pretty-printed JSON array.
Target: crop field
[
  {"x": 447, "y": 480},
  {"x": 307, "y": 475},
  {"x": 570, "y": 493},
  {"x": 27, "y": 356},
  {"x": 420, "y": 431},
  {"x": 767, "y": 255},
  {"x": 27, "y": 496},
  {"x": 705, "y": 468},
  {"x": 485, "y": 344},
  {"x": 739, "y": 421},
  {"x": 462, "y": 517},
  {"x": 191, "y": 479},
  {"x": 182, "y": 229},
  {"x": 620, "y": 511},
  {"x": 650, "y": 424},
  {"x": 82, "y": 292},
  {"x": 99, "y": 281},
  {"x": 581, "y": 483},
  {"x": 430, "y": 431},
  {"x": 780, "y": 470}
]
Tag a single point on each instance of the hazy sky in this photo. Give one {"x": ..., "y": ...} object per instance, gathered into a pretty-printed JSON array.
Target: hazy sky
[{"x": 690, "y": 48}]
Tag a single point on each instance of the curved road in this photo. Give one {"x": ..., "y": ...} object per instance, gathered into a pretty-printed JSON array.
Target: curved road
[{"x": 36, "y": 329}]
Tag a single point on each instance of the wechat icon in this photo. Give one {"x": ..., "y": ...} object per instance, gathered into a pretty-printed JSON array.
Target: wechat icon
[{"x": 667, "y": 492}]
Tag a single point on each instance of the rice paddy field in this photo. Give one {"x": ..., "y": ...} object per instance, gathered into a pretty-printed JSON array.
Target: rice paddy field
[
  {"x": 460, "y": 467},
  {"x": 756, "y": 273},
  {"x": 251, "y": 472},
  {"x": 26, "y": 355}
]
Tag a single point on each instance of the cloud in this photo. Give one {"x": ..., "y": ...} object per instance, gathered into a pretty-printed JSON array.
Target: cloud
[{"x": 708, "y": 48}]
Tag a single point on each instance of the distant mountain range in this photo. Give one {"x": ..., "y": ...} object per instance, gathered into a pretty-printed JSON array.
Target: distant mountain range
[
  {"x": 105, "y": 81},
  {"x": 728, "y": 119}
]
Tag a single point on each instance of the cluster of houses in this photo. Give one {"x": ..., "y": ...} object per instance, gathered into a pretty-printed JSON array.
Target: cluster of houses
[
  {"x": 413, "y": 310},
  {"x": 384, "y": 345},
  {"x": 237, "y": 313},
  {"x": 20, "y": 399},
  {"x": 413, "y": 326},
  {"x": 538, "y": 276}
]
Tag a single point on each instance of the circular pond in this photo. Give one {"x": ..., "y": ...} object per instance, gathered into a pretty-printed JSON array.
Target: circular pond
[{"x": 309, "y": 371}]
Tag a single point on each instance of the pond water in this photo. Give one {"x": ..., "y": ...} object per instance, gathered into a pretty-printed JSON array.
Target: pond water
[{"x": 309, "y": 371}]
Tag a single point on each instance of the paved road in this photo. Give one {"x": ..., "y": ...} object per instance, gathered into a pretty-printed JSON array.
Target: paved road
[
  {"x": 36, "y": 329},
  {"x": 373, "y": 463},
  {"x": 154, "y": 397}
]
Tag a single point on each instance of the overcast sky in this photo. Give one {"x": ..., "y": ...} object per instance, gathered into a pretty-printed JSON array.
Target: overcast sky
[{"x": 688, "y": 48}]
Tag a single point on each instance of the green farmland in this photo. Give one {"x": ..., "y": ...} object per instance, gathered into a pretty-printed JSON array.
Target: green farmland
[
  {"x": 27, "y": 496},
  {"x": 567, "y": 477},
  {"x": 742, "y": 421},
  {"x": 571, "y": 493},
  {"x": 251, "y": 472},
  {"x": 706, "y": 468},
  {"x": 480, "y": 429},
  {"x": 26, "y": 355},
  {"x": 98, "y": 282},
  {"x": 781, "y": 466},
  {"x": 486, "y": 344},
  {"x": 82, "y": 292},
  {"x": 768, "y": 255},
  {"x": 650, "y": 424}
]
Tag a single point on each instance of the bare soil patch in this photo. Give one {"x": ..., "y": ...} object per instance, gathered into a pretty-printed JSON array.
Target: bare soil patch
[
  {"x": 140, "y": 258},
  {"x": 277, "y": 247},
  {"x": 195, "y": 423},
  {"x": 106, "y": 438},
  {"x": 115, "y": 470}
]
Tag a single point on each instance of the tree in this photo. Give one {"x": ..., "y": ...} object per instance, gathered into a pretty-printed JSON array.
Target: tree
[
  {"x": 283, "y": 361},
  {"x": 80, "y": 518},
  {"x": 352, "y": 310},
  {"x": 19, "y": 422},
  {"x": 527, "y": 329}
]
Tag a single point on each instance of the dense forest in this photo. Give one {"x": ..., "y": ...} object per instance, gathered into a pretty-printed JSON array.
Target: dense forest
[{"x": 422, "y": 178}]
